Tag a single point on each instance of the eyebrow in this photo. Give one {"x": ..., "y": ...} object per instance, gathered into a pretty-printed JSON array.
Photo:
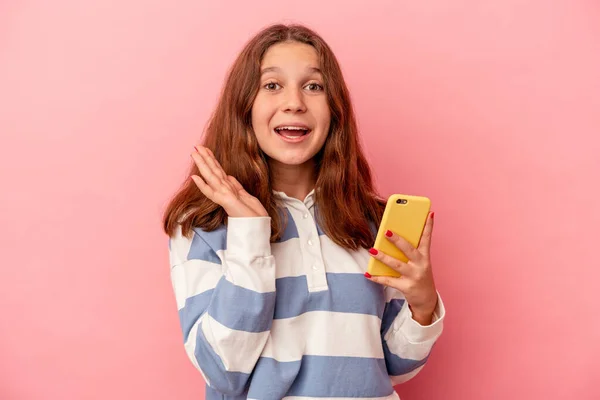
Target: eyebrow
[{"x": 277, "y": 69}]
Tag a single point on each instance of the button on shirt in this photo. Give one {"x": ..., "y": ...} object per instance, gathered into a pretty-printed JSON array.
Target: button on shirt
[{"x": 293, "y": 318}]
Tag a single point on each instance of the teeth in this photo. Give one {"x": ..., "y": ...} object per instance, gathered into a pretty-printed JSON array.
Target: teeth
[{"x": 291, "y": 128}]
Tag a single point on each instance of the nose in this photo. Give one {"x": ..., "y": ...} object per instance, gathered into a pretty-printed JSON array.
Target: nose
[{"x": 294, "y": 102}]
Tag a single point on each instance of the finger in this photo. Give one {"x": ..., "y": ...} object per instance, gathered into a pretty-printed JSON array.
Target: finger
[
  {"x": 425, "y": 244},
  {"x": 396, "y": 283},
  {"x": 205, "y": 170},
  {"x": 211, "y": 161},
  {"x": 204, "y": 188},
  {"x": 408, "y": 249},
  {"x": 216, "y": 163},
  {"x": 212, "y": 155},
  {"x": 394, "y": 263}
]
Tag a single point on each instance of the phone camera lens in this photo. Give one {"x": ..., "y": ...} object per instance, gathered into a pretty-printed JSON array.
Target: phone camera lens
[{"x": 401, "y": 201}]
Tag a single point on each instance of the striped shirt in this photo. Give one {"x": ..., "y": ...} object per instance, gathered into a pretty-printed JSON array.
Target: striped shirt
[{"x": 293, "y": 319}]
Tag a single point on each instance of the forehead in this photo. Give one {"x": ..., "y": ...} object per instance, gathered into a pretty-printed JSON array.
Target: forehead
[{"x": 290, "y": 55}]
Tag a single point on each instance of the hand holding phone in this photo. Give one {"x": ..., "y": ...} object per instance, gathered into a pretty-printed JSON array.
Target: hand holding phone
[
  {"x": 406, "y": 216},
  {"x": 401, "y": 258}
]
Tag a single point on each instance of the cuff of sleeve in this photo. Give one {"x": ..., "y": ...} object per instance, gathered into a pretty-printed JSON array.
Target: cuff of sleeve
[
  {"x": 417, "y": 333},
  {"x": 249, "y": 236}
]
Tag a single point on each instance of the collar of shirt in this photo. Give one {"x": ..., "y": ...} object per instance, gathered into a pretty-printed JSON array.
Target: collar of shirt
[{"x": 308, "y": 200}]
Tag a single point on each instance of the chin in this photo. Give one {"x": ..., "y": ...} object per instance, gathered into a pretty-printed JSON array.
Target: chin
[{"x": 292, "y": 160}]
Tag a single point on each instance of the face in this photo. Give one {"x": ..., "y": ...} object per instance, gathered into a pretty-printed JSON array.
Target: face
[{"x": 290, "y": 114}]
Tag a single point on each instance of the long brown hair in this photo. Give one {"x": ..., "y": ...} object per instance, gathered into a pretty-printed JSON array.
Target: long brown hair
[{"x": 345, "y": 198}]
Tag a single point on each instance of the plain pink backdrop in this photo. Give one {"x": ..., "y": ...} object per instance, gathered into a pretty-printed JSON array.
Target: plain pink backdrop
[{"x": 491, "y": 108}]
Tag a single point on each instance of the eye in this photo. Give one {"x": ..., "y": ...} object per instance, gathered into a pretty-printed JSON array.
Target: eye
[
  {"x": 314, "y": 87},
  {"x": 271, "y": 85}
]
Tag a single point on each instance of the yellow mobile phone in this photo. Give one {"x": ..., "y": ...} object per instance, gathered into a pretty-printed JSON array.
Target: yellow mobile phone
[{"x": 406, "y": 216}]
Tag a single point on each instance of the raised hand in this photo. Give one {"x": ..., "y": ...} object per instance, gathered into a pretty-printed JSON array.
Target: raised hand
[{"x": 224, "y": 189}]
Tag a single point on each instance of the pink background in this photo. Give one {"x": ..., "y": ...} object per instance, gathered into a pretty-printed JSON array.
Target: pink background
[{"x": 490, "y": 108}]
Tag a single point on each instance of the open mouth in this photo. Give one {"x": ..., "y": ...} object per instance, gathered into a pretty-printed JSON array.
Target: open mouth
[{"x": 292, "y": 132}]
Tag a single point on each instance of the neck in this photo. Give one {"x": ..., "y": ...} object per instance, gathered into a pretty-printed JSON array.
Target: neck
[{"x": 294, "y": 180}]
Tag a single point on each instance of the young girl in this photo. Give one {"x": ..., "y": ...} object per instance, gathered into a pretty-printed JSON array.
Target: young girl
[{"x": 269, "y": 238}]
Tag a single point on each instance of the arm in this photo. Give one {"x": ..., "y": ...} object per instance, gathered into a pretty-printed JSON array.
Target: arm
[
  {"x": 225, "y": 299},
  {"x": 406, "y": 343}
]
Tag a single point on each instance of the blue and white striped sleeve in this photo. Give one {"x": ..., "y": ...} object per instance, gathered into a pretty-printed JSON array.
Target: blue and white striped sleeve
[
  {"x": 406, "y": 343},
  {"x": 224, "y": 284}
]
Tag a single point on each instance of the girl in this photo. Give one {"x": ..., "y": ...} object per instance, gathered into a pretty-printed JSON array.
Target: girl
[{"x": 269, "y": 238}]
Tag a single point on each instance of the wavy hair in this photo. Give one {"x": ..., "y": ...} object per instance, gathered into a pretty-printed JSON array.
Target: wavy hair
[{"x": 345, "y": 198}]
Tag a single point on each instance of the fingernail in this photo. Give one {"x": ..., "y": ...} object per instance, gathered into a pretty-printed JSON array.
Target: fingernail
[
  {"x": 373, "y": 251},
  {"x": 432, "y": 214},
  {"x": 367, "y": 275},
  {"x": 388, "y": 233}
]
